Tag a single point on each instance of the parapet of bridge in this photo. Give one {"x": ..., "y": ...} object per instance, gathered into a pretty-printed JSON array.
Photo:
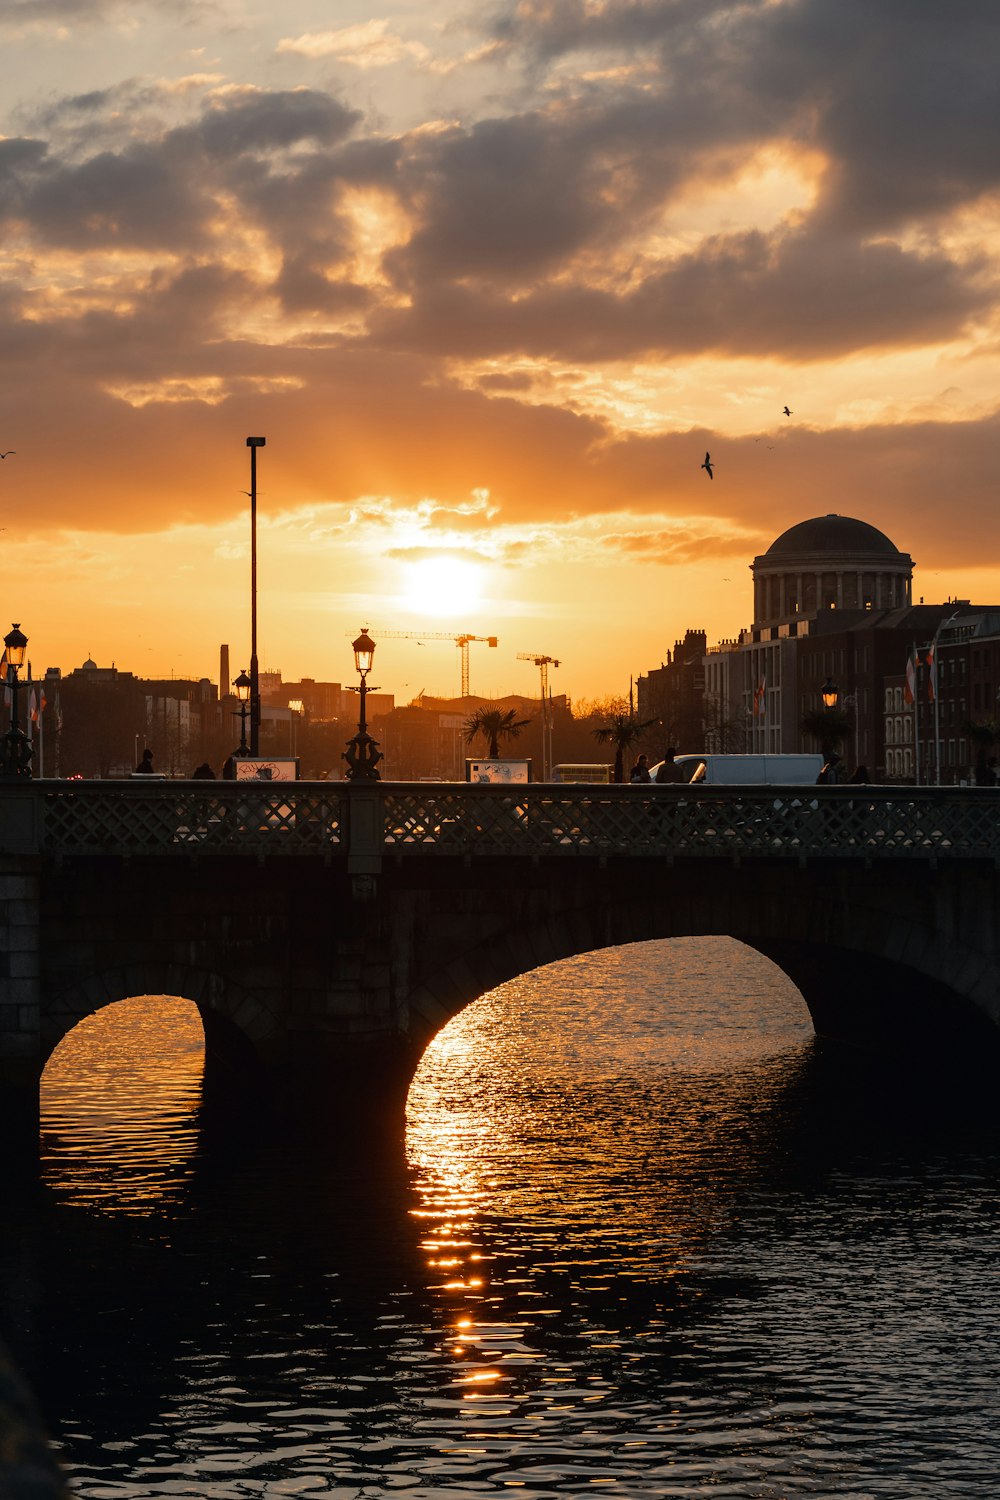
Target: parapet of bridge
[{"x": 326, "y": 932}]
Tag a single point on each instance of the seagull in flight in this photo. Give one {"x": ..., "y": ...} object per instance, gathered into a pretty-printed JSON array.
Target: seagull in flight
[
  {"x": 8, "y": 453},
  {"x": 707, "y": 466},
  {"x": 786, "y": 411}
]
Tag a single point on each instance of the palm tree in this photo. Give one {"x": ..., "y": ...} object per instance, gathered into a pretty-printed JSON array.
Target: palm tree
[
  {"x": 494, "y": 724},
  {"x": 828, "y": 725},
  {"x": 622, "y": 730}
]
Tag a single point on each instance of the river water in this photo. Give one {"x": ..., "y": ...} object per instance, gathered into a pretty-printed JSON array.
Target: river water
[{"x": 648, "y": 1238}]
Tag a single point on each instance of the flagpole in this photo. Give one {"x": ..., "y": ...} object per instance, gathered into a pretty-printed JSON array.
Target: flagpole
[{"x": 937, "y": 696}]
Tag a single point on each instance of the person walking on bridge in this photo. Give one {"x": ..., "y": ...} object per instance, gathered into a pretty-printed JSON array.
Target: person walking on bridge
[
  {"x": 640, "y": 771},
  {"x": 833, "y": 773},
  {"x": 669, "y": 771}
]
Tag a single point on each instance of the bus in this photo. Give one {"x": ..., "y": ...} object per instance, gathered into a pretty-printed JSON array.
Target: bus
[{"x": 574, "y": 772}]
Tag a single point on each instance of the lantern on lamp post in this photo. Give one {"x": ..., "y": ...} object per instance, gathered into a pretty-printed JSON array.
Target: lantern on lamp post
[
  {"x": 15, "y": 747},
  {"x": 243, "y": 685},
  {"x": 362, "y": 753}
]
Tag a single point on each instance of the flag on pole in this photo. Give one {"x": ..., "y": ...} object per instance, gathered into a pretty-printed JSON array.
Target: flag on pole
[
  {"x": 760, "y": 696},
  {"x": 931, "y": 661},
  {"x": 33, "y": 705},
  {"x": 910, "y": 690},
  {"x": 42, "y": 700}
]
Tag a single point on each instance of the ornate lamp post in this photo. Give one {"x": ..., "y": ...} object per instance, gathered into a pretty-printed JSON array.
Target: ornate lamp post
[
  {"x": 830, "y": 693},
  {"x": 243, "y": 685},
  {"x": 362, "y": 753},
  {"x": 15, "y": 749}
]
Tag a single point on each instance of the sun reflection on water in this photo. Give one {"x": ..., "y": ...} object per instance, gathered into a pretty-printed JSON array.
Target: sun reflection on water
[
  {"x": 119, "y": 1106},
  {"x": 526, "y": 1217}
]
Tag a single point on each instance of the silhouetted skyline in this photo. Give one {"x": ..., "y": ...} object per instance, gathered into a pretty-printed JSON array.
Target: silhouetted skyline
[{"x": 491, "y": 281}]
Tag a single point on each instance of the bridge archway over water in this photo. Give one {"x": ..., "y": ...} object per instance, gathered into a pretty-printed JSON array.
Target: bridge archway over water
[
  {"x": 902, "y": 967},
  {"x": 237, "y": 1027},
  {"x": 327, "y": 948}
]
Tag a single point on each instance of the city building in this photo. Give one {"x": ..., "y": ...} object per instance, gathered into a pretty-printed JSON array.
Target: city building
[
  {"x": 833, "y": 628},
  {"x": 673, "y": 694}
]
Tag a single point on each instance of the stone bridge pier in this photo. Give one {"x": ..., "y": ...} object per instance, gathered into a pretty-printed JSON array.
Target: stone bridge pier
[{"x": 321, "y": 989}]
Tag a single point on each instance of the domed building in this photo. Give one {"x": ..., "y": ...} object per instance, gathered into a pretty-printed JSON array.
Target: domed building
[
  {"x": 835, "y": 626},
  {"x": 831, "y": 562},
  {"x": 834, "y": 622}
]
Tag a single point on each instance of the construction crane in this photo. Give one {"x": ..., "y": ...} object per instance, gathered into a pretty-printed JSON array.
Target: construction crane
[
  {"x": 544, "y": 663},
  {"x": 461, "y": 641}
]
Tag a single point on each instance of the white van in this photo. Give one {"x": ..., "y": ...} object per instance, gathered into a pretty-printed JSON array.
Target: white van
[{"x": 747, "y": 770}]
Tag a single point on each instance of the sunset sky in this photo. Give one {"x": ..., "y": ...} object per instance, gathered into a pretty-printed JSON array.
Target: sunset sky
[{"x": 490, "y": 278}]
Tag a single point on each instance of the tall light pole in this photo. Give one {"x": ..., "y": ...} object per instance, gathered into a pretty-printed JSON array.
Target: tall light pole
[{"x": 253, "y": 443}]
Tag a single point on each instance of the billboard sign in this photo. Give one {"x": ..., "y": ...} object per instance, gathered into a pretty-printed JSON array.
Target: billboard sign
[
  {"x": 273, "y": 768},
  {"x": 498, "y": 772}
]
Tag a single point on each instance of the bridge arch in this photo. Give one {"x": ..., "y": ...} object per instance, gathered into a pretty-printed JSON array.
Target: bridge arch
[
  {"x": 239, "y": 1026},
  {"x": 902, "y": 969}
]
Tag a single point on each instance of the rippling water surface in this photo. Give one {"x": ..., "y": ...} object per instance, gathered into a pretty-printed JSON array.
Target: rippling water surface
[{"x": 646, "y": 1238}]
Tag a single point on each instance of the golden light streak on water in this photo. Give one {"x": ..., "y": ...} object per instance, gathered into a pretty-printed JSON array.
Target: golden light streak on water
[{"x": 119, "y": 1106}]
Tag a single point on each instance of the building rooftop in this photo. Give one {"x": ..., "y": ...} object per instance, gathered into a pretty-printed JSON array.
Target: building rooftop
[{"x": 833, "y": 534}]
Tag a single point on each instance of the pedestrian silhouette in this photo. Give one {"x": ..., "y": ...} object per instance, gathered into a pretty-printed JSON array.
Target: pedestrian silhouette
[{"x": 145, "y": 766}]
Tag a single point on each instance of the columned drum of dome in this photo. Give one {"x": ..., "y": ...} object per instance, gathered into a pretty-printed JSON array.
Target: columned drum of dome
[{"x": 829, "y": 563}]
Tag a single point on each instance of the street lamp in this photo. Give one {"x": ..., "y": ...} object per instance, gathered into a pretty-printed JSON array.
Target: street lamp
[
  {"x": 829, "y": 693},
  {"x": 243, "y": 684},
  {"x": 296, "y": 706},
  {"x": 253, "y": 443},
  {"x": 362, "y": 753},
  {"x": 15, "y": 748}
]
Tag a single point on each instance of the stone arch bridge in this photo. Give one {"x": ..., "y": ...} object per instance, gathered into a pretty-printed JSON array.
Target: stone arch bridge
[{"x": 326, "y": 931}]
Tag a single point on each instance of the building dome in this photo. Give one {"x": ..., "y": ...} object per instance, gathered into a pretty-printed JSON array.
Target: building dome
[
  {"x": 827, "y": 563},
  {"x": 835, "y": 535}
]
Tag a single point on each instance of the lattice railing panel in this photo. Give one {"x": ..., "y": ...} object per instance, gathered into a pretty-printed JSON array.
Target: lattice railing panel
[
  {"x": 536, "y": 821},
  {"x": 228, "y": 819}
]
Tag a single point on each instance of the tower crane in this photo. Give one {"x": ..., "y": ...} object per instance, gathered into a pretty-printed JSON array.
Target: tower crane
[
  {"x": 544, "y": 663},
  {"x": 461, "y": 641}
]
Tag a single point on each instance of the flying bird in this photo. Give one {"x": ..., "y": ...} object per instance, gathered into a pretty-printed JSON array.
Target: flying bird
[
  {"x": 707, "y": 466},
  {"x": 8, "y": 453},
  {"x": 786, "y": 411}
]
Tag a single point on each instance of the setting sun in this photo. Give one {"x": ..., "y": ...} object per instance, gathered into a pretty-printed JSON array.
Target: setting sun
[{"x": 443, "y": 586}]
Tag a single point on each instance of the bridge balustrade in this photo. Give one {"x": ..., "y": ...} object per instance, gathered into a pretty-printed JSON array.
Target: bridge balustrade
[{"x": 404, "y": 820}]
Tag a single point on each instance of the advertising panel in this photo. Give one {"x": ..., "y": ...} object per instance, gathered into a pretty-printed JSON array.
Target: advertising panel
[
  {"x": 498, "y": 772},
  {"x": 273, "y": 768}
]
